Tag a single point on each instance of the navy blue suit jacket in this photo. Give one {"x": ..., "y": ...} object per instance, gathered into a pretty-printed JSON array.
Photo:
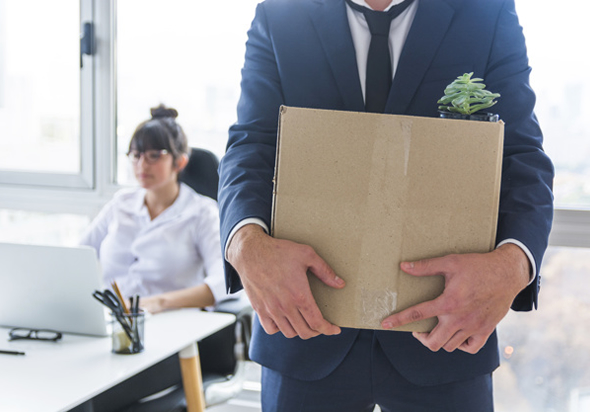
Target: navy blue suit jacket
[{"x": 300, "y": 53}]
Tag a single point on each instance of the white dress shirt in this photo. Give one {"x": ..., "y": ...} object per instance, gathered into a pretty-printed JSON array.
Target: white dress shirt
[
  {"x": 180, "y": 248},
  {"x": 361, "y": 38}
]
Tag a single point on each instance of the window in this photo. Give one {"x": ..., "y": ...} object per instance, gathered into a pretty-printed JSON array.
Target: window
[
  {"x": 545, "y": 357},
  {"x": 44, "y": 139},
  {"x": 545, "y": 354},
  {"x": 64, "y": 130},
  {"x": 560, "y": 80}
]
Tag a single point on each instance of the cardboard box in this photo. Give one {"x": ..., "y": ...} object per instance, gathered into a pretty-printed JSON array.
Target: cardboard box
[{"x": 368, "y": 191}]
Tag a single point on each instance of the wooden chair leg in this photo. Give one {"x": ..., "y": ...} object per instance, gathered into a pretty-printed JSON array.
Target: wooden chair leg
[{"x": 192, "y": 380}]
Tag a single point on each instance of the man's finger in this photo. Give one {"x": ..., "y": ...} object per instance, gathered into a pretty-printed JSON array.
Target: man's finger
[
  {"x": 427, "y": 267},
  {"x": 456, "y": 341},
  {"x": 437, "y": 338},
  {"x": 298, "y": 324},
  {"x": 421, "y": 336},
  {"x": 268, "y": 324},
  {"x": 301, "y": 326},
  {"x": 316, "y": 321},
  {"x": 473, "y": 344},
  {"x": 285, "y": 327},
  {"x": 324, "y": 272},
  {"x": 415, "y": 313}
]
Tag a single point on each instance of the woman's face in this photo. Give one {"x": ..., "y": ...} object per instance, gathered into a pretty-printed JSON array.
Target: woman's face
[{"x": 154, "y": 169}]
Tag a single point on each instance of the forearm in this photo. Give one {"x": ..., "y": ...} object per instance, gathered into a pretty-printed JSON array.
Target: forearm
[{"x": 198, "y": 296}]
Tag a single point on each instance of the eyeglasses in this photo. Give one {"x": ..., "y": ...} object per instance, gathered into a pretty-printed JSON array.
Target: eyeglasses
[
  {"x": 34, "y": 334},
  {"x": 149, "y": 156}
]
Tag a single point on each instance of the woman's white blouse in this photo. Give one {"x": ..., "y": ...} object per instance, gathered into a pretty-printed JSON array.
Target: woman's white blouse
[{"x": 180, "y": 248}]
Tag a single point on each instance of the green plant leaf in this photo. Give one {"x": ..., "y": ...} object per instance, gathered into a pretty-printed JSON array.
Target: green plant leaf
[
  {"x": 466, "y": 95},
  {"x": 479, "y": 107}
]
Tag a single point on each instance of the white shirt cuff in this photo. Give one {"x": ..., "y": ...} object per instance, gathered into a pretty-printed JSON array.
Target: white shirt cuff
[
  {"x": 241, "y": 224},
  {"x": 527, "y": 252}
]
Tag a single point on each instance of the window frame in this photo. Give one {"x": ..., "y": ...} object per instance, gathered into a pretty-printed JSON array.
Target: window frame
[{"x": 571, "y": 228}]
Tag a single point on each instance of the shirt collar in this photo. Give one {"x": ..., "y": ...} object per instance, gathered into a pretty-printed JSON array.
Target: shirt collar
[
  {"x": 141, "y": 209},
  {"x": 139, "y": 206},
  {"x": 364, "y": 3}
]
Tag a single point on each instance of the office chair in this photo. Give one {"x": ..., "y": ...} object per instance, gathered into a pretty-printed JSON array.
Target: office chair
[
  {"x": 223, "y": 355},
  {"x": 200, "y": 172}
]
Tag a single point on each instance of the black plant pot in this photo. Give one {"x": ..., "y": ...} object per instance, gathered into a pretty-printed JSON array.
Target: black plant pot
[{"x": 482, "y": 117}]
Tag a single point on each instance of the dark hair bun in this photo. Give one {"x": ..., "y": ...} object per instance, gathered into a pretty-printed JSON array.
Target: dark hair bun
[{"x": 162, "y": 112}]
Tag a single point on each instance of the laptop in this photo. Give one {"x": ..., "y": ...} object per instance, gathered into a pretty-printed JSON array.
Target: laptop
[{"x": 49, "y": 287}]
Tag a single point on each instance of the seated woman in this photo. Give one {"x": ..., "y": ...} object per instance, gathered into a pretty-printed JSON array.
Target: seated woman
[{"x": 160, "y": 240}]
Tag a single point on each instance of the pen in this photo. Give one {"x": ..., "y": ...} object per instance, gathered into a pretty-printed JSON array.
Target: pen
[
  {"x": 11, "y": 352},
  {"x": 120, "y": 296},
  {"x": 136, "y": 304},
  {"x": 135, "y": 309}
]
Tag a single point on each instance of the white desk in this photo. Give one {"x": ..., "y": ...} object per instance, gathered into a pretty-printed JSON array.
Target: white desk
[{"x": 58, "y": 376}]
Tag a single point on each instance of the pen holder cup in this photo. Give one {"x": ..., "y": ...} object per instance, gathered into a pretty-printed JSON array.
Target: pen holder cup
[{"x": 128, "y": 332}]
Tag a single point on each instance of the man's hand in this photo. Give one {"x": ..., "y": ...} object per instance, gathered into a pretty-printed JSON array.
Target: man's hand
[
  {"x": 274, "y": 275},
  {"x": 479, "y": 289}
]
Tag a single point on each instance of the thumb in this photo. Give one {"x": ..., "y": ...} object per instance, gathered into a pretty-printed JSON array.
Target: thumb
[{"x": 324, "y": 272}]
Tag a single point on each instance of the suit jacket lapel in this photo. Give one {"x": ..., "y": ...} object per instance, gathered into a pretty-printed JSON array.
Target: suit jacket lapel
[
  {"x": 331, "y": 23},
  {"x": 431, "y": 22}
]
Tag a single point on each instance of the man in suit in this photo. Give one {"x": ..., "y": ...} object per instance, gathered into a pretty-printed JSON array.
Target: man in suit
[{"x": 312, "y": 53}]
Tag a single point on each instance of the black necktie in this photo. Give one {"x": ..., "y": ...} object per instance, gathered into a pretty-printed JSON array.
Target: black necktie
[{"x": 379, "y": 74}]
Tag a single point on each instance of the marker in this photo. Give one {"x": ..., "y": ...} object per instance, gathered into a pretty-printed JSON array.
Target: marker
[{"x": 11, "y": 352}]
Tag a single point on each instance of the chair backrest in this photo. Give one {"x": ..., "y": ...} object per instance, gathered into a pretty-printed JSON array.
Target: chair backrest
[{"x": 201, "y": 172}]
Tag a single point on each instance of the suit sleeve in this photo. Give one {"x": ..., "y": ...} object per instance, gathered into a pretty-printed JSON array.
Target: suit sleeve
[
  {"x": 246, "y": 171},
  {"x": 526, "y": 199}
]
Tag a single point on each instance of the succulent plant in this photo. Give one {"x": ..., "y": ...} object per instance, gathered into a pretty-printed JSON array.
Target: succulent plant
[{"x": 466, "y": 96}]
